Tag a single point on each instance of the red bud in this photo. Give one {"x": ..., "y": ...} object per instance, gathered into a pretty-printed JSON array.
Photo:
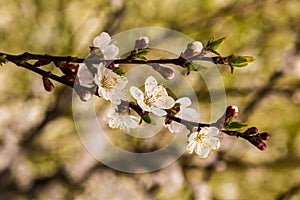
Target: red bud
[
  {"x": 265, "y": 136},
  {"x": 48, "y": 85}
]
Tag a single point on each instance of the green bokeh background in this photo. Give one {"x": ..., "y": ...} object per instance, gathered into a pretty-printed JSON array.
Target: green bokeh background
[{"x": 41, "y": 156}]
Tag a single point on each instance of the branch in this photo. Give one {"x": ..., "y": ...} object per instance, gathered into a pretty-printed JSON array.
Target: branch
[{"x": 70, "y": 71}]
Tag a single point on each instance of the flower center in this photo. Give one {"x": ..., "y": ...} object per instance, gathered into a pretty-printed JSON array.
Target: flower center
[
  {"x": 200, "y": 138},
  {"x": 109, "y": 82},
  {"x": 150, "y": 99}
]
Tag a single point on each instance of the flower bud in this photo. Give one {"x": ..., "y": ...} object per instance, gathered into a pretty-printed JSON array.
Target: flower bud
[
  {"x": 193, "y": 49},
  {"x": 166, "y": 72},
  {"x": 48, "y": 85},
  {"x": 231, "y": 113},
  {"x": 67, "y": 68},
  {"x": 261, "y": 145},
  {"x": 42, "y": 62},
  {"x": 142, "y": 43},
  {"x": 251, "y": 131},
  {"x": 265, "y": 136}
]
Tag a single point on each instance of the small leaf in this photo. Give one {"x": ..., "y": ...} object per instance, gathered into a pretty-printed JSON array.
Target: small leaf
[
  {"x": 212, "y": 45},
  {"x": 118, "y": 71},
  {"x": 194, "y": 66},
  {"x": 240, "y": 61},
  {"x": 142, "y": 52},
  {"x": 235, "y": 125},
  {"x": 3, "y": 60},
  {"x": 146, "y": 118}
]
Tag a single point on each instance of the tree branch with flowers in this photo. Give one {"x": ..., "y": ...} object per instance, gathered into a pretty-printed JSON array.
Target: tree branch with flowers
[{"x": 101, "y": 74}]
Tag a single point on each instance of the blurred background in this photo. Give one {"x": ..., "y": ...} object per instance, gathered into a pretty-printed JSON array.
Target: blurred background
[{"x": 41, "y": 155}]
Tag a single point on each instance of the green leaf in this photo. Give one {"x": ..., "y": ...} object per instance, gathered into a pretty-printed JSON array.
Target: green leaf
[
  {"x": 194, "y": 66},
  {"x": 3, "y": 60},
  {"x": 118, "y": 71},
  {"x": 141, "y": 53},
  {"x": 146, "y": 118},
  {"x": 240, "y": 61},
  {"x": 212, "y": 45},
  {"x": 235, "y": 125}
]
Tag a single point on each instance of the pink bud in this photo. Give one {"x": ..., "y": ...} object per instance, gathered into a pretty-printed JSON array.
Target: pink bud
[
  {"x": 142, "y": 43},
  {"x": 193, "y": 49},
  {"x": 166, "y": 72}
]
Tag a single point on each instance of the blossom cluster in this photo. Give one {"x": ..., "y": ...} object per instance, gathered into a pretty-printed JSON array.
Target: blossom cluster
[{"x": 153, "y": 100}]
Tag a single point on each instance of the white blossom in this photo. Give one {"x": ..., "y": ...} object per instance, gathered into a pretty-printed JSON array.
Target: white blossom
[
  {"x": 104, "y": 43},
  {"x": 85, "y": 77},
  {"x": 155, "y": 99},
  {"x": 122, "y": 120},
  {"x": 185, "y": 113},
  {"x": 110, "y": 85},
  {"x": 204, "y": 141}
]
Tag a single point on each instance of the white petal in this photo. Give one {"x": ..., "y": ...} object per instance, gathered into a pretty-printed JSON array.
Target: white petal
[
  {"x": 176, "y": 127},
  {"x": 158, "y": 91},
  {"x": 84, "y": 76},
  {"x": 111, "y": 52},
  {"x": 198, "y": 148},
  {"x": 214, "y": 143},
  {"x": 184, "y": 101},
  {"x": 204, "y": 152},
  {"x": 165, "y": 102},
  {"x": 101, "y": 71},
  {"x": 158, "y": 111},
  {"x": 145, "y": 107},
  {"x": 134, "y": 121},
  {"x": 189, "y": 114},
  {"x": 192, "y": 136},
  {"x": 102, "y": 41},
  {"x": 150, "y": 84},
  {"x": 191, "y": 147},
  {"x": 204, "y": 130},
  {"x": 136, "y": 93},
  {"x": 103, "y": 93},
  {"x": 213, "y": 131}
]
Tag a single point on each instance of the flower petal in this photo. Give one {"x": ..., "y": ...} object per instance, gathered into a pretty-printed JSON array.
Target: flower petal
[
  {"x": 191, "y": 147},
  {"x": 203, "y": 152},
  {"x": 176, "y": 127},
  {"x": 111, "y": 52},
  {"x": 102, "y": 41},
  {"x": 165, "y": 102},
  {"x": 145, "y": 107},
  {"x": 158, "y": 91},
  {"x": 84, "y": 76},
  {"x": 136, "y": 93},
  {"x": 184, "y": 101},
  {"x": 189, "y": 114},
  {"x": 213, "y": 131},
  {"x": 150, "y": 84},
  {"x": 158, "y": 111},
  {"x": 192, "y": 136}
]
